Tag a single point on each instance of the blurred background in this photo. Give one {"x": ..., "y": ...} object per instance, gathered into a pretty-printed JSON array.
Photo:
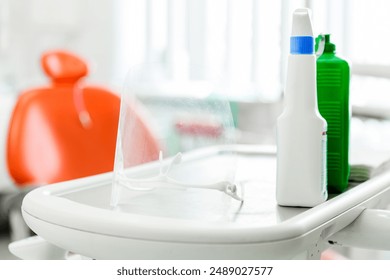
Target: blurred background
[{"x": 246, "y": 42}]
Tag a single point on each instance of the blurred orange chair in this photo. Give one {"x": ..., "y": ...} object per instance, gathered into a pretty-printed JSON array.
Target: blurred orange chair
[
  {"x": 66, "y": 130},
  {"x": 63, "y": 131}
]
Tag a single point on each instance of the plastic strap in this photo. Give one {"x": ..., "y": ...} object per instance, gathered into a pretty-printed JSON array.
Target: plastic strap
[{"x": 321, "y": 45}]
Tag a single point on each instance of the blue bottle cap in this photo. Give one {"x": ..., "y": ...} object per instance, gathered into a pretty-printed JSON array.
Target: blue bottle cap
[{"x": 301, "y": 45}]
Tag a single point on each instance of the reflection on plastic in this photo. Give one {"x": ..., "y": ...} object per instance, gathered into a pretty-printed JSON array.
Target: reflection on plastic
[{"x": 164, "y": 181}]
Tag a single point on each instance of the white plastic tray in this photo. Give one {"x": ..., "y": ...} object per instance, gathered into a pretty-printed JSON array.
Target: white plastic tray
[{"x": 196, "y": 224}]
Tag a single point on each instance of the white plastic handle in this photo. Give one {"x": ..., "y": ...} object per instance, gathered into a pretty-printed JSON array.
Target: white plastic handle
[{"x": 369, "y": 231}]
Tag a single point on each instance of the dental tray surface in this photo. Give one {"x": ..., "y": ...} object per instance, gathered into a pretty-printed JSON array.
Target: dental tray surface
[{"x": 194, "y": 223}]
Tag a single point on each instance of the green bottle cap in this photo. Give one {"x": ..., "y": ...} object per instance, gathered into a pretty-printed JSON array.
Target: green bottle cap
[{"x": 328, "y": 46}]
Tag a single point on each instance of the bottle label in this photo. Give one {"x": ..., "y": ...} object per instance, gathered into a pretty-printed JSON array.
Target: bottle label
[{"x": 324, "y": 177}]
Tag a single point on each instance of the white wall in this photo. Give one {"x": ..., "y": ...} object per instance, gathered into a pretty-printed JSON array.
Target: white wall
[{"x": 30, "y": 27}]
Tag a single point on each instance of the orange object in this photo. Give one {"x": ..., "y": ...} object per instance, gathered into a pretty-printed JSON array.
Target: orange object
[
  {"x": 63, "y": 67},
  {"x": 66, "y": 130},
  {"x": 330, "y": 254}
]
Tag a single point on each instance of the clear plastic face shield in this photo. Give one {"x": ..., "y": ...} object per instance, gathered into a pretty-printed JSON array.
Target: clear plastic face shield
[{"x": 167, "y": 123}]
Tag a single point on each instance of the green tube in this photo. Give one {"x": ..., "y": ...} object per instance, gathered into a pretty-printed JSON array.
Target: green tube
[{"x": 333, "y": 77}]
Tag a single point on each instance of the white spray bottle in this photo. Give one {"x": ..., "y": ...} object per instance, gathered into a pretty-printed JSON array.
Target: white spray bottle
[{"x": 301, "y": 130}]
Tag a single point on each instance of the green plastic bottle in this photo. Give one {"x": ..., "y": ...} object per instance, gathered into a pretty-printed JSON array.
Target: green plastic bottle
[{"x": 333, "y": 103}]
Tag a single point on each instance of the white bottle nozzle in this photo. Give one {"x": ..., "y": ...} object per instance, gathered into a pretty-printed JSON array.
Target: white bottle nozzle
[
  {"x": 301, "y": 25},
  {"x": 301, "y": 41}
]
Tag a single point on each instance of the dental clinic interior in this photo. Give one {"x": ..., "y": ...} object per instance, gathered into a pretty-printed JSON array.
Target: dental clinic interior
[{"x": 194, "y": 130}]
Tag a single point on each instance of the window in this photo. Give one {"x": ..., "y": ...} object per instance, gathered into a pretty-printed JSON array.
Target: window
[
  {"x": 244, "y": 41},
  {"x": 236, "y": 40},
  {"x": 247, "y": 41},
  {"x": 360, "y": 31}
]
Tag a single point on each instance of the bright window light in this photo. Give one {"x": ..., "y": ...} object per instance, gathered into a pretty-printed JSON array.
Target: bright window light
[{"x": 238, "y": 41}]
